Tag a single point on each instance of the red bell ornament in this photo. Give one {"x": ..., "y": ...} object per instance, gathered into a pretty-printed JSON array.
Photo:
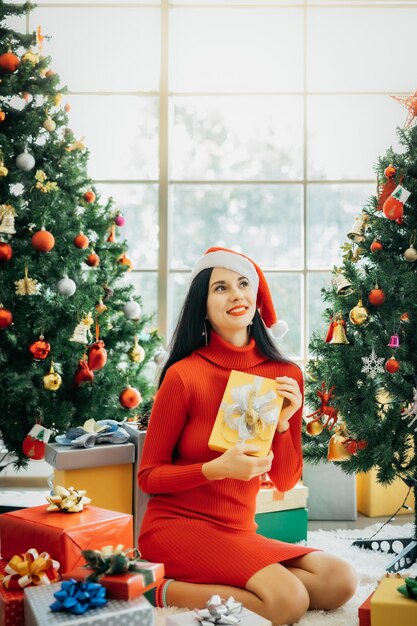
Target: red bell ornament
[
  {"x": 6, "y": 251},
  {"x": 130, "y": 398},
  {"x": 6, "y": 317},
  {"x": 394, "y": 342},
  {"x": 392, "y": 365},
  {"x": 394, "y": 205},
  {"x": 97, "y": 356},
  {"x": 83, "y": 374},
  {"x": 376, "y": 297},
  {"x": 40, "y": 349}
]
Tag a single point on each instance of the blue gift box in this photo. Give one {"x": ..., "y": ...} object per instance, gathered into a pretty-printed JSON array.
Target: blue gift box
[{"x": 137, "y": 612}]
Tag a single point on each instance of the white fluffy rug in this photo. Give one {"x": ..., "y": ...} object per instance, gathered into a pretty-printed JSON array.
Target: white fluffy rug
[{"x": 370, "y": 567}]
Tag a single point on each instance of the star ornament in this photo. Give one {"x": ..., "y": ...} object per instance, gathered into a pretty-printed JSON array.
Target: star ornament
[{"x": 410, "y": 103}]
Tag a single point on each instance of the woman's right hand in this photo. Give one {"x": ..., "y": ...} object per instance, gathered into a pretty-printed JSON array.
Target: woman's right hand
[{"x": 238, "y": 463}]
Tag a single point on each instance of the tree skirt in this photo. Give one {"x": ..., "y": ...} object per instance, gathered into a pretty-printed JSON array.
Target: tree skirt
[{"x": 369, "y": 565}]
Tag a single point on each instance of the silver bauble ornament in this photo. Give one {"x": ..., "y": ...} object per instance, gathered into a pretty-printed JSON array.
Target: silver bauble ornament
[
  {"x": 410, "y": 254},
  {"x": 25, "y": 161},
  {"x": 132, "y": 310},
  {"x": 66, "y": 286}
]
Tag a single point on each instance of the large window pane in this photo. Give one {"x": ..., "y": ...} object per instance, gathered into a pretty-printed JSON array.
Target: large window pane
[
  {"x": 229, "y": 50},
  {"x": 264, "y": 222},
  {"x": 286, "y": 290},
  {"x": 139, "y": 206},
  {"x": 102, "y": 49},
  {"x": 346, "y": 134},
  {"x": 237, "y": 138},
  {"x": 331, "y": 211},
  {"x": 121, "y": 133},
  {"x": 345, "y": 47},
  {"x": 315, "y": 304}
]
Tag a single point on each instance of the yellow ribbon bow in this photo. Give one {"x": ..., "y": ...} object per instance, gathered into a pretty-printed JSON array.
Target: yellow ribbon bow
[{"x": 30, "y": 568}]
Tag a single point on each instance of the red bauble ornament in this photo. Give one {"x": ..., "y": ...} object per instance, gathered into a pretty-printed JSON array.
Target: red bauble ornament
[
  {"x": 126, "y": 262},
  {"x": 6, "y": 251},
  {"x": 83, "y": 374},
  {"x": 376, "y": 246},
  {"x": 97, "y": 356},
  {"x": 33, "y": 448},
  {"x": 40, "y": 349},
  {"x": 9, "y": 62},
  {"x": 2, "y": 116},
  {"x": 6, "y": 318},
  {"x": 130, "y": 398},
  {"x": 43, "y": 240},
  {"x": 376, "y": 297},
  {"x": 89, "y": 196},
  {"x": 93, "y": 260},
  {"x": 49, "y": 73},
  {"x": 392, "y": 365},
  {"x": 390, "y": 171},
  {"x": 81, "y": 241}
]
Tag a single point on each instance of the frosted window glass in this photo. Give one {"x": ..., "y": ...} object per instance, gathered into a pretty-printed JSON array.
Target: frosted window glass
[
  {"x": 102, "y": 48},
  {"x": 230, "y": 50},
  {"x": 346, "y": 134},
  {"x": 354, "y": 50},
  {"x": 237, "y": 137},
  {"x": 121, "y": 133}
]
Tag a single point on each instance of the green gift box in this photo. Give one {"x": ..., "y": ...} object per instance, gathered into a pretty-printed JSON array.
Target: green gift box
[{"x": 290, "y": 526}]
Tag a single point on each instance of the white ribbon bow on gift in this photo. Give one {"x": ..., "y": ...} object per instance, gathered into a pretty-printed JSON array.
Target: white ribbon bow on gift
[{"x": 250, "y": 413}]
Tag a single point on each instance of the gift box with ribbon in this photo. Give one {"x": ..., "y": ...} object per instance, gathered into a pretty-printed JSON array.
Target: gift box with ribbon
[
  {"x": 30, "y": 568},
  {"x": 364, "y": 612},
  {"x": 390, "y": 606},
  {"x": 218, "y": 612},
  {"x": 11, "y": 603},
  {"x": 248, "y": 413},
  {"x": 124, "y": 577},
  {"x": 37, "y": 601},
  {"x": 63, "y": 535},
  {"x": 270, "y": 499}
]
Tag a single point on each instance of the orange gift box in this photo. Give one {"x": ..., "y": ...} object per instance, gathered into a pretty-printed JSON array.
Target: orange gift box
[
  {"x": 63, "y": 535},
  {"x": 11, "y": 604},
  {"x": 248, "y": 413},
  {"x": 123, "y": 586}
]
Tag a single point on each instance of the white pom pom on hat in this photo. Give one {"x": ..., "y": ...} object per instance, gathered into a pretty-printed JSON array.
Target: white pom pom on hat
[{"x": 240, "y": 263}]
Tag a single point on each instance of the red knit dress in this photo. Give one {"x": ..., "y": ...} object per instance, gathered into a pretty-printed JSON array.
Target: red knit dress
[{"x": 204, "y": 531}]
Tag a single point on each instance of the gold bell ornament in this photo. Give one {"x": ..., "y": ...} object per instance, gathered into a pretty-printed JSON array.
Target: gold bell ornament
[
  {"x": 357, "y": 231},
  {"x": 342, "y": 285},
  {"x": 337, "y": 450},
  {"x": 136, "y": 352},
  {"x": 339, "y": 331},
  {"x": 7, "y": 215},
  {"x": 53, "y": 380},
  {"x": 359, "y": 314}
]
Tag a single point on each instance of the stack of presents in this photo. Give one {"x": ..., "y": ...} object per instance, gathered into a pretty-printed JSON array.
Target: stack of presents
[{"x": 85, "y": 553}]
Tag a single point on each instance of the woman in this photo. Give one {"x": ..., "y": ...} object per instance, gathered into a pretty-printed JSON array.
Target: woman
[{"x": 200, "y": 518}]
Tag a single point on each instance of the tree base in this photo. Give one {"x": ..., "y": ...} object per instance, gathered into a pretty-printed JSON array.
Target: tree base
[{"x": 404, "y": 558}]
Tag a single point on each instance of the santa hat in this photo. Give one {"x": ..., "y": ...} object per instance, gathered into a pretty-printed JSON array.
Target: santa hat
[{"x": 237, "y": 262}]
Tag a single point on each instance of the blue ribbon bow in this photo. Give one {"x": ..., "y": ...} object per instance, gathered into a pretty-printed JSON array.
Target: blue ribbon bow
[{"x": 77, "y": 597}]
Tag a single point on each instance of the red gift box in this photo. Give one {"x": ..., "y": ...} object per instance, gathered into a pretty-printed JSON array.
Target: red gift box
[
  {"x": 11, "y": 604},
  {"x": 63, "y": 535},
  {"x": 123, "y": 586},
  {"x": 364, "y": 612}
]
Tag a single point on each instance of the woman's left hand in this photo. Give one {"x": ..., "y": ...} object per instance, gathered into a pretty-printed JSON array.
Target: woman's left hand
[{"x": 288, "y": 388}]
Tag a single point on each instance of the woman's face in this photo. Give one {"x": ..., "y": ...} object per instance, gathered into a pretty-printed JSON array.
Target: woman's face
[{"x": 231, "y": 304}]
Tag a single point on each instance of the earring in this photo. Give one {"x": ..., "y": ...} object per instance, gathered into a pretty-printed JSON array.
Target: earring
[
  {"x": 204, "y": 333},
  {"x": 250, "y": 324}
]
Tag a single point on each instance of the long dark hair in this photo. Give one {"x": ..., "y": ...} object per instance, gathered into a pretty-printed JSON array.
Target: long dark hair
[{"x": 189, "y": 334}]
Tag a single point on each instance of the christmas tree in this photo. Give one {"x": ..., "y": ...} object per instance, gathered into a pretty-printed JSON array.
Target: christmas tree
[
  {"x": 73, "y": 343},
  {"x": 361, "y": 378}
]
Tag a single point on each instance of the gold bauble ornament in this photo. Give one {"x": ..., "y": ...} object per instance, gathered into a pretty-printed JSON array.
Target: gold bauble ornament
[
  {"x": 53, "y": 380},
  {"x": 49, "y": 125},
  {"x": 410, "y": 254},
  {"x": 337, "y": 450},
  {"x": 57, "y": 99},
  {"x": 3, "y": 170},
  {"x": 136, "y": 352},
  {"x": 314, "y": 428},
  {"x": 359, "y": 314},
  {"x": 30, "y": 57}
]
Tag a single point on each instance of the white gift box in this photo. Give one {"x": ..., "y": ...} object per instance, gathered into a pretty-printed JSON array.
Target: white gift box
[
  {"x": 137, "y": 612},
  {"x": 67, "y": 457},
  {"x": 332, "y": 493},
  {"x": 246, "y": 618},
  {"x": 270, "y": 499}
]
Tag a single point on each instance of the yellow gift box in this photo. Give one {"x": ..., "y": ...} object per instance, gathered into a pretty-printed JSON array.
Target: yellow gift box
[
  {"x": 389, "y": 606},
  {"x": 376, "y": 500},
  {"x": 248, "y": 413},
  {"x": 109, "y": 486}
]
